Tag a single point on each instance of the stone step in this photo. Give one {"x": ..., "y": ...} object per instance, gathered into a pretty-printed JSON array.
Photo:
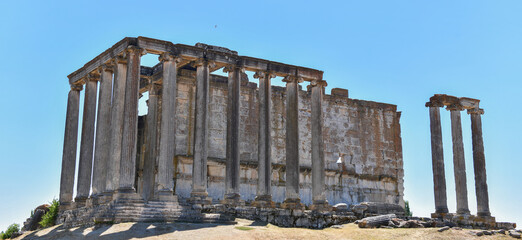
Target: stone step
[{"x": 147, "y": 208}]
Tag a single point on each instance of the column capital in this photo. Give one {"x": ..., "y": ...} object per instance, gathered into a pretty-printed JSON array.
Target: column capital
[
  {"x": 155, "y": 89},
  {"x": 479, "y": 111},
  {"x": 168, "y": 56},
  {"x": 263, "y": 74},
  {"x": 318, "y": 83},
  {"x": 434, "y": 104},
  {"x": 120, "y": 59},
  {"x": 455, "y": 107},
  {"x": 292, "y": 78},
  {"x": 201, "y": 61},
  {"x": 233, "y": 67},
  {"x": 136, "y": 50},
  {"x": 76, "y": 87},
  {"x": 107, "y": 67},
  {"x": 94, "y": 76}
]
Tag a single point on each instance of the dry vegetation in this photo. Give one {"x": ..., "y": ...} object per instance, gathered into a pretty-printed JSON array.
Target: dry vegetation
[{"x": 243, "y": 230}]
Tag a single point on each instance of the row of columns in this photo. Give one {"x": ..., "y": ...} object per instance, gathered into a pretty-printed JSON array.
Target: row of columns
[
  {"x": 459, "y": 165},
  {"x": 113, "y": 154}
]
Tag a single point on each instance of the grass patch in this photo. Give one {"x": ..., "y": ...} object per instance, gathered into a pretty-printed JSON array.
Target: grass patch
[{"x": 243, "y": 228}]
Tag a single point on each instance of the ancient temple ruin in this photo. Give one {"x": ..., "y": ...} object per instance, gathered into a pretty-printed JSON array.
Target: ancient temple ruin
[
  {"x": 455, "y": 105},
  {"x": 209, "y": 139}
]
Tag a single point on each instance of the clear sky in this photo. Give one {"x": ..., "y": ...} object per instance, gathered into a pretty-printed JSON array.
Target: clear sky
[{"x": 399, "y": 52}]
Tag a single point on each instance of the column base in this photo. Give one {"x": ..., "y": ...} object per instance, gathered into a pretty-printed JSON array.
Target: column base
[
  {"x": 101, "y": 198},
  {"x": 109, "y": 196},
  {"x": 463, "y": 212},
  {"x": 321, "y": 206},
  {"x": 484, "y": 214},
  {"x": 200, "y": 198},
  {"x": 126, "y": 194},
  {"x": 64, "y": 206},
  {"x": 264, "y": 201},
  {"x": 166, "y": 196},
  {"x": 293, "y": 203},
  {"x": 79, "y": 202},
  {"x": 233, "y": 200}
]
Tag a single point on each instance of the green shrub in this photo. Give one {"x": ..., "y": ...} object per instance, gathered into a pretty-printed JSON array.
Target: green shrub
[
  {"x": 407, "y": 210},
  {"x": 49, "y": 218},
  {"x": 13, "y": 228}
]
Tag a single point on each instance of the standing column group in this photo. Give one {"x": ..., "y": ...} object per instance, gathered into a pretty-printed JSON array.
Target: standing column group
[
  {"x": 455, "y": 106},
  {"x": 109, "y": 152}
]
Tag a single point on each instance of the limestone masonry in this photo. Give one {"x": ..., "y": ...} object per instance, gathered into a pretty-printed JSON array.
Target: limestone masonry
[{"x": 210, "y": 142}]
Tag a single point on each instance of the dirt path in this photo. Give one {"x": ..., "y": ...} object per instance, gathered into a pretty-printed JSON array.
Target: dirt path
[{"x": 243, "y": 230}]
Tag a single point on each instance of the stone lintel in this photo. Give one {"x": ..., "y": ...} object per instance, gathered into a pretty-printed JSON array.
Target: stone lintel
[
  {"x": 441, "y": 100},
  {"x": 476, "y": 111},
  {"x": 221, "y": 55},
  {"x": 469, "y": 103}
]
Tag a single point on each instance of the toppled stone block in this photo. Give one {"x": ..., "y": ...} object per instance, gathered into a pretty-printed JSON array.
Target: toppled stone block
[
  {"x": 443, "y": 229},
  {"x": 514, "y": 233},
  {"x": 372, "y": 222},
  {"x": 340, "y": 207}
]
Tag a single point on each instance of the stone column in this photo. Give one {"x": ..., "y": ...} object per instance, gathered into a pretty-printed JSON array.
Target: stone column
[
  {"x": 479, "y": 163},
  {"x": 459, "y": 164},
  {"x": 292, "y": 199},
  {"x": 318, "y": 174},
  {"x": 232, "y": 195},
  {"x": 87, "y": 139},
  {"x": 167, "y": 144},
  {"x": 437, "y": 156},
  {"x": 130, "y": 125},
  {"x": 199, "y": 193},
  {"x": 116, "y": 131},
  {"x": 101, "y": 154},
  {"x": 264, "y": 167},
  {"x": 69, "y": 147},
  {"x": 149, "y": 166}
]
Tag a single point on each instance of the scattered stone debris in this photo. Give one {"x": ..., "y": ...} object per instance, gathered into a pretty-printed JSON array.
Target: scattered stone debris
[
  {"x": 443, "y": 229},
  {"x": 337, "y": 226},
  {"x": 32, "y": 223},
  {"x": 514, "y": 233}
]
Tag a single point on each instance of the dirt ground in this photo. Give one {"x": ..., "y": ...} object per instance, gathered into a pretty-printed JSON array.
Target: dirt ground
[{"x": 243, "y": 230}]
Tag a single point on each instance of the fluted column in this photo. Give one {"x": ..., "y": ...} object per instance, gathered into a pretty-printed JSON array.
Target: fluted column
[
  {"x": 199, "y": 193},
  {"x": 149, "y": 166},
  {"x": 116, "y": 130},
  {"x": 87, "y": 139},
  {"x": 101, "y": 154},
  {"x": 264, "y": 167},
  {"x": 69, "y": 146},
  {"x": 232, "y": 195},
  {"x": 130, "y": 123},
  {"x": 167, "y": 145},
  {"x": 459, "y": 164},
  {"x": 479, "y": 163},
  {"x": 437, "y": 155},
  {"x": 292, "y": 199},
  {"x": 318, "y": 174}
]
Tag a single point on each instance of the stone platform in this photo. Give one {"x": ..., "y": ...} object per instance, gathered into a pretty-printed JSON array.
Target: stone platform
[
  {"x": 473, "y": 221},
  {"x": 138, "y": 211}
]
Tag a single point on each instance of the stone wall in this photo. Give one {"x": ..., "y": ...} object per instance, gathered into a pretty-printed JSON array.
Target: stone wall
[{"x": 367, "y": 133}]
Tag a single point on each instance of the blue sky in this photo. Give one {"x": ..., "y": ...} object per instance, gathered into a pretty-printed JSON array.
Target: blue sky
[{"x": 399, "y": 52}]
